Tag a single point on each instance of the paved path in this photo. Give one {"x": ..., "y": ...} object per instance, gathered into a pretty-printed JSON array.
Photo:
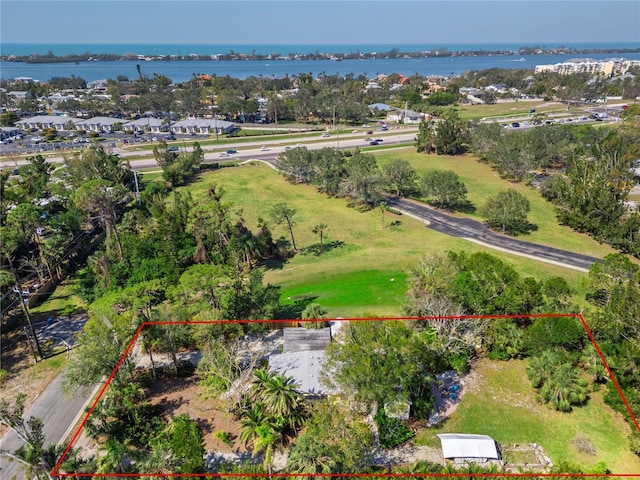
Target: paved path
[
  {"x": 58, "y": 413},
  {"x": 479, "y": 233}
]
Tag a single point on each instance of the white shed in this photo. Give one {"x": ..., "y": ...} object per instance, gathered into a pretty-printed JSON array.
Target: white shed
[{"x": 464, "y": 448}]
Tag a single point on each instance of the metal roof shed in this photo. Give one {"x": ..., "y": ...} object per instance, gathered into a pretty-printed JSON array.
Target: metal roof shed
[{"x": 462, "y": 448}]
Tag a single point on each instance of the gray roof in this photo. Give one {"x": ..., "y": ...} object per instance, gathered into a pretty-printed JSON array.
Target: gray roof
[
  {"x": 301, "y": 339},
  {"x": 203, "y": 122},
  {"x": 102, "y": 121},
  {"x": 462, "y": 445},
  {"x": 144, "y": 122},
  {"x": 304, "y": 367},
  {"x": 48, "y": 119}
]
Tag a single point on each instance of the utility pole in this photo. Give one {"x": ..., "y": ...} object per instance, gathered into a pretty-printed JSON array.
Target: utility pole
[
  {"x": 215, "y": 119},
  {"x": 31, "y": 333}
]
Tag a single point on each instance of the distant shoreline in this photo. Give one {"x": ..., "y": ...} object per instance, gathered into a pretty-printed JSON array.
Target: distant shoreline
[{"x": 390, "y": 54}]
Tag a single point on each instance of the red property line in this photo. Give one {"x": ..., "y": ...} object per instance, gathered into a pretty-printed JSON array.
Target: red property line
[{"x": 55, "y": 472}]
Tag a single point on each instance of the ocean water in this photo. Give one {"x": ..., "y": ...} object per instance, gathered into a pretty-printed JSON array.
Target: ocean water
[
  {"x": 181, "y": 71},
  {"x": 283, "y": 49}
]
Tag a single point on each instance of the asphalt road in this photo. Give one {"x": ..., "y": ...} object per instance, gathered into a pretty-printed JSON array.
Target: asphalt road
[
  {"x": 58, "y": 413},
  {"x": 479, "y": 233}
]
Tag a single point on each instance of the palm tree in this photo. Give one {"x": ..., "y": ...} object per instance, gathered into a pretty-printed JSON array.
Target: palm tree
[
  {"x": 255, "y": 417},
  {"x": 541, "y": 367},
  {"x": 265, "y": 439},
  {"x": 310, "y": 456},
  {"x": 319, "y": 229},
  {"x": 564, "y": 389},
  {"x": 282, "y": 398},
  {"x": 261, "y": 377},
  {"x": 314, "y": 311}
]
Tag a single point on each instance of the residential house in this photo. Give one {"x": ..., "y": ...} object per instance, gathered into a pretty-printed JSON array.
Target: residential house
[
  {"x": 202, "y": 126},
  {"x": 142, "y": 125},
  {"x": 303, "y": 358},
  {"x": 100, "y": 124},
  {"x": 41, "y": 122}
]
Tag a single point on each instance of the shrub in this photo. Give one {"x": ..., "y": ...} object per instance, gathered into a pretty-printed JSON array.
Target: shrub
[
  {"x": 583, "y": 444},
  {"x": 392, "y": 431},
  {"x": 223, "y": 437}
]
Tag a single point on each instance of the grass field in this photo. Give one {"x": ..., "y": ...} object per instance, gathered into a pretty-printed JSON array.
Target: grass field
[
  {"x": 475, "y": 112},
  {"x": 501, "y": 403},
  {"x": 483, "y": 182},
  {"x": 353, "y": 278}
]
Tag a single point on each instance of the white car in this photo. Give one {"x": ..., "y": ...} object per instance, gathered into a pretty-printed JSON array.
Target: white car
[
  {"x": 325, "y": 135},
  {"x": 299, "y": 145},
  {"x": 265, "y": 149},
  {"x": 223, "y": 155}
]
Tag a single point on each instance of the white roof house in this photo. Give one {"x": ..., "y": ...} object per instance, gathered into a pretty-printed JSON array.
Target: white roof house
[
  {"x": 304, "y": 367},
  {"x": 149, "y": 124},
  {"x": 201, "y": 125},
  {"x": 49, "y": 121},
  {"x": 463, "y": 448},
  {"x": 100, "y": 124}
]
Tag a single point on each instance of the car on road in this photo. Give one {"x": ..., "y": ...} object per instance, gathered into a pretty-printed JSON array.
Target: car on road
[
  {"x": 299, "y": 145},
  {"x": 325, "y": 135},
  {"x": 368, "y": 139},
  {"x": 374, "y": 143},
  {"x": 287, "y": 148},
  {"x": 173, "y": 149},
  {"x": 231, "y": 151},
  {"x": 223, "y": 155},
  {"x": 379, "y": 140},
  {"x": 265, "y": 149}
]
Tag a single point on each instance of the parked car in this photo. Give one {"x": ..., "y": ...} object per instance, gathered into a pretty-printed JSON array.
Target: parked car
[
  {"x": 515, "y": 124},
  {"x": 369, "y": 132}
]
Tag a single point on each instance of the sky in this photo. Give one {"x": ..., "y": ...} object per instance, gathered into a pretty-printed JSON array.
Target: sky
[{"x": 324, "y": 22}]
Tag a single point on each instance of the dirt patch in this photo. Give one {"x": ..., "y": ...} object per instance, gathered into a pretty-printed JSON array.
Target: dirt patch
[
  {"x": 183, "y": 395},
  {"x": 23, "y": 374}
]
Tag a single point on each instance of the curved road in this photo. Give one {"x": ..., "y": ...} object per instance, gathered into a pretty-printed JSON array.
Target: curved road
[{"x": 478, "y": 232}]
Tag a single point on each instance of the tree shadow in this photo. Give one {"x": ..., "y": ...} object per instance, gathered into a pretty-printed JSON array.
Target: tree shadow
[
  {"x": 295, "y": 309},
  {"x": 317, "y": 249},
  {"x": 465, "y": 207}
]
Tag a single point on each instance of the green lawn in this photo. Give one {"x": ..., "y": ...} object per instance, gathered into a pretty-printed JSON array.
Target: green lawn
[
  {"x": 501, "y": 404},
  {"x": 63, "y": 301},
  {"x": 475, "y": 112},
  {"x": 353, "y": 278},
  {"x": 483, "y": 182}
]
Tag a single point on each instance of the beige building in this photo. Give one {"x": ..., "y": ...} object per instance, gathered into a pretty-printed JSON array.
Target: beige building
[{"x": 605, "y": 68}]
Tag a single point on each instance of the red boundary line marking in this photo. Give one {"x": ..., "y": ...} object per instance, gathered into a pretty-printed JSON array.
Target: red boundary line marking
[{"x": 55, "y": 473}]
